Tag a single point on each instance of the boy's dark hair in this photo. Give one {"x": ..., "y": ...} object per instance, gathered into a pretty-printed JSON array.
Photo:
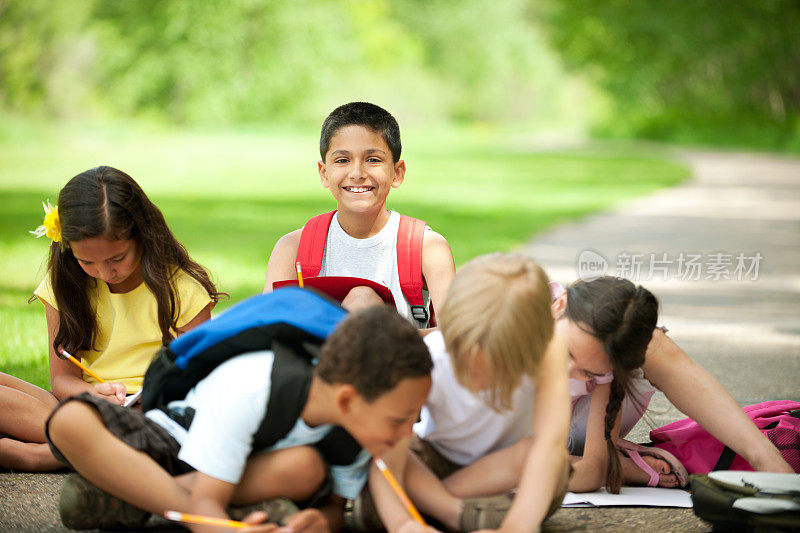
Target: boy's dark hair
[
  {"x": 373, "y": 349},
  {"x": 370, "y": 116},
  {"x": 104, "y": 201},
  {"x": 622, "y": 316}
]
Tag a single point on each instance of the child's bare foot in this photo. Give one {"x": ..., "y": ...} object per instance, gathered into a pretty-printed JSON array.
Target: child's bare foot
[
  {"x": 642, "y": 465},
  {"x": 665, "y": 476},
  {"x": 659, "y": 465}
]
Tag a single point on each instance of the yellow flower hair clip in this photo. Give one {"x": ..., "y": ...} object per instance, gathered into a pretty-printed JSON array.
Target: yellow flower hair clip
[{"x": 51, "y": 225}]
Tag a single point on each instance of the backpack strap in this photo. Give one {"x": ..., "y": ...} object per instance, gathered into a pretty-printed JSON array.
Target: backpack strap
[
  {"x": 292, "y": 373},
  {"x": 311, "y": 249},
  {"x": 725, "y": 460},
  {"x": 409, "y": 264},
  {"x": 290, "y": 384},
  {"x": 312, "y": 244},
  {"x": 338, "y": 447}
]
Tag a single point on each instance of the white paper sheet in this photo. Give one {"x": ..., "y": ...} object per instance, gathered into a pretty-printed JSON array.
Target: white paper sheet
[
  {"x": 132, "y": 399},
  {"x": 630, "y": 496}
]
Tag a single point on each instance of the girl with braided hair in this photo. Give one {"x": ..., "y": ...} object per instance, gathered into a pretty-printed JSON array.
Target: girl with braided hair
[{"x": 618, "y": 359}]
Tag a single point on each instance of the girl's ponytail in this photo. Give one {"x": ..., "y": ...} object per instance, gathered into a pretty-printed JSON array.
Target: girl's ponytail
[{"x": 613, "y": 472}]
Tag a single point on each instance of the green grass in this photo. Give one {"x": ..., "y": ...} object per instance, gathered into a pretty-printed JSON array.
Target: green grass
[{"x": 229, "y": 196}]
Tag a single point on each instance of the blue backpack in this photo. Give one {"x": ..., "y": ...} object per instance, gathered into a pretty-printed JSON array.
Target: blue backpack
[{"x": 293, "y": 323}]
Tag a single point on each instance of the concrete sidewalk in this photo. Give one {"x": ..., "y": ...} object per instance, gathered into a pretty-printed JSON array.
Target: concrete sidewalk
[{"x": 747, "y": 333}]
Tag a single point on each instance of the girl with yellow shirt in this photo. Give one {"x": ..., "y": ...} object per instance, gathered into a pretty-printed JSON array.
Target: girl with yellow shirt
[{"x": 118, "y": 286}]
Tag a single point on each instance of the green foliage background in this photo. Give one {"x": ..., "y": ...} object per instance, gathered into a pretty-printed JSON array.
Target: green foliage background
[
  {"x": 247, "y": 61},
  {"x": 688, "y": 71},
  {"x": 691, "y": 71}
]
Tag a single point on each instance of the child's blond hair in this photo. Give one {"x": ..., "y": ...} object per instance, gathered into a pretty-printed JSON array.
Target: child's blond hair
[{"x": 498, "y": 304}]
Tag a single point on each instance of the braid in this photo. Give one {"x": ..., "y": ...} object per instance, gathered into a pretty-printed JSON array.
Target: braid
[
  {"x": 622, "y": 317},
  {"x": 613, "y": 474}
]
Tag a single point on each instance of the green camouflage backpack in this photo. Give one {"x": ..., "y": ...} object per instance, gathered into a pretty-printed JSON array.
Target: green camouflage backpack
[{"x": 748, "y": 501}]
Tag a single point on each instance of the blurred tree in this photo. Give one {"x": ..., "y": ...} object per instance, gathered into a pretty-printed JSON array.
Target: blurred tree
[
  {"x": 44, "y": 56},
  {"x": 688, "y": 70},
  {"x": 212, "y": 61},
  {"x": 236, "y": 61},
  {"x": 493, "y": 57}
]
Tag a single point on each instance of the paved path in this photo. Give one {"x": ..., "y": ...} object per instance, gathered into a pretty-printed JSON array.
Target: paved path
[{"x": 747, "y": 333}]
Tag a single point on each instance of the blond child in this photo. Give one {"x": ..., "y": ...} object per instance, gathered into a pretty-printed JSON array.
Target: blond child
[{"x": 495, "y": 417}]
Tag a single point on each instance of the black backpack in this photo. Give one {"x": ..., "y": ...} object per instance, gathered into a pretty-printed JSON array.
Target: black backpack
[{"x": 293, "y": 323}]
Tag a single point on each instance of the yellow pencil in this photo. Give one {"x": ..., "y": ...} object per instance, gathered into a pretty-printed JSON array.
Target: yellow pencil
[
  {"x": 81, "y": 366},
  {"x": 399, "y": 490},
  {"x": 206, "y": 520},
  {"x": 299, "y": 274}
]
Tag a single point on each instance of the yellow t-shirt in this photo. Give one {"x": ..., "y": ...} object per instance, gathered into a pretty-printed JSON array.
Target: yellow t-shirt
[{"x": 128, "y": 336}]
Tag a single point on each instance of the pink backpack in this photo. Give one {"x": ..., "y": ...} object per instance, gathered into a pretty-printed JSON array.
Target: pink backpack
[{"x": 701, "y": 453}]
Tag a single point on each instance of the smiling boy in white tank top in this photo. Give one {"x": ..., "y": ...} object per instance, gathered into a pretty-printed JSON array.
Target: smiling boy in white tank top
[{"x": 360, "y": 150}]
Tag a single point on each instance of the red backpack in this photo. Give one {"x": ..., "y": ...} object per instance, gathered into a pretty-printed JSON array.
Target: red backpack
[
  {"x": 701, "y": 453},
  {"x": 409, "y": 258}
]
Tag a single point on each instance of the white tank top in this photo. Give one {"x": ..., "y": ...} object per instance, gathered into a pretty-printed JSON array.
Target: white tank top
[
  {"x": 373, "y": 258},
  {"x": 459, "y": 423}
]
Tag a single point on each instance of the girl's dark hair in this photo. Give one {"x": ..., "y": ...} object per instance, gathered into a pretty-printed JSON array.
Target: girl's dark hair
[
  {"x": 622, "y": 316},
  {"x": 104, "y": 201}
]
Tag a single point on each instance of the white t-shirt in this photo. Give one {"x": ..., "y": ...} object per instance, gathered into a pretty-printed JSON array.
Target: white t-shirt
[
  {"x": 373, "y": 258},
  {"x": 459, "y": 423},
  {"x": 230, "y": 404}
]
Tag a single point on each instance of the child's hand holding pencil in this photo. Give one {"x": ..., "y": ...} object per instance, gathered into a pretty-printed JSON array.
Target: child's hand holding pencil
[
  {"x": 306, "y": 521},
  {"x": 111, "y": 392},
  {"x": 115, "y": 393},
  {"x": 187, "y": 518},
  {"x": 254, "y": 522}
]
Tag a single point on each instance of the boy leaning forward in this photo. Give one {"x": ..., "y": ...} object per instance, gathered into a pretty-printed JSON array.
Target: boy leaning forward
[{"x": 371, "y": 379}]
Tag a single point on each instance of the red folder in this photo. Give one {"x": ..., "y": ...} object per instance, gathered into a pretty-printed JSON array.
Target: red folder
[{"x": 337, "y": 287}]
